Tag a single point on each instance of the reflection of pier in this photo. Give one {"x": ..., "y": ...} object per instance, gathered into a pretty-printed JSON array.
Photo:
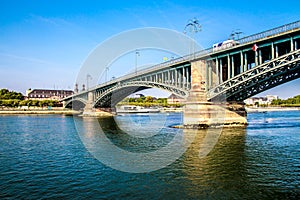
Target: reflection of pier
[
  {"x": 223, "y": 166},
  {"x": 209, "y": 77}
]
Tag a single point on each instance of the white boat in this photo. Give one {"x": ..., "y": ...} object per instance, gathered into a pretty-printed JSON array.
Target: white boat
[{"x": 135, "y": 109}]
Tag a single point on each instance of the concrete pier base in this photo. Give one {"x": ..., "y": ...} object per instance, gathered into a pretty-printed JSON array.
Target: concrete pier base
[
  {"x": 88, "y": 110},
  {"x": 199, "y": 113}
]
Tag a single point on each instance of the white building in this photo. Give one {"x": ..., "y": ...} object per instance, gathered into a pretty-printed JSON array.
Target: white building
[
  {"x": 136, "y": 96},
  {"x": 267, "y": 100}
]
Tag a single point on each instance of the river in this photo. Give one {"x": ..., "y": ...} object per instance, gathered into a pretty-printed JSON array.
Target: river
[{"x": 61, "y": 157}]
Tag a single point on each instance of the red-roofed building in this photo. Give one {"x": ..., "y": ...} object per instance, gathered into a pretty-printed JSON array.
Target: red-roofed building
[{"x": 44, "y": 94}]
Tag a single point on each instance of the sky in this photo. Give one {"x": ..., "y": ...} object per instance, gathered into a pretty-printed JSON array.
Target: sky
[{"x": 43, "y": 44}]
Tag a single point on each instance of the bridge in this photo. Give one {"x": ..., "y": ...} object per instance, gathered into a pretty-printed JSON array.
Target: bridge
[{"x": 230, "y": 73}]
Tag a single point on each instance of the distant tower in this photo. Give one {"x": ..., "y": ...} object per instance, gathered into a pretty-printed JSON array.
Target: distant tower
[
  {"x": 83, "y": 87},
  {"x": 76, "y": 88},
  {"x": 28, "y": 91}
]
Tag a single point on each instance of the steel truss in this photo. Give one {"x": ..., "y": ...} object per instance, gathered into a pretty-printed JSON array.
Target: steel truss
[{"x": 260, "y": 78}]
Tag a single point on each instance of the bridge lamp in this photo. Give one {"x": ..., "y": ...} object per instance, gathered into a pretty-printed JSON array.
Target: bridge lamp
[
  {"x": 137, "y": 53},
  {"x": 106, "y": 73},
  {"x": 235, "y": 33},
  {"x": 88, "y": 76},
  {"x": 193, "y": 27}
]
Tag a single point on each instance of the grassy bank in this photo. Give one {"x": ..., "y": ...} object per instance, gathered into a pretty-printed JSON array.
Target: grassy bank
[{"x": 37, "y": 111}]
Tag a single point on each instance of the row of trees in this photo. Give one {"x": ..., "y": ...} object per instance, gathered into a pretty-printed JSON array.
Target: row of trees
[
  {"x": 148, "y": 101},
  {"x": 294, "y": 101},
  {"x": 6, "y": 94},
  {"x": 15, "y": 103}
]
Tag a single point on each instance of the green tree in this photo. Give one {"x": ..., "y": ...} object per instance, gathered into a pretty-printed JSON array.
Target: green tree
[
  {"x": 6, "y": 94},
  {"x": 148, "y": 99},
  {"x": 29, "y": 103},
  {"x": 35, "y": 103},
  {"x": 131, "y": 99}
]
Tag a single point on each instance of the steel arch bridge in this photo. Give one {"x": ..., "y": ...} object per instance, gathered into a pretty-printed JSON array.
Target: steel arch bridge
[{"x": 232, "y": 74}]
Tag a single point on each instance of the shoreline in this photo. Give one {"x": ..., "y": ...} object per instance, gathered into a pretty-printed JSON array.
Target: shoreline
[
  {"x": 38, "y": 112},
  {"x": 271, "y": 109}
]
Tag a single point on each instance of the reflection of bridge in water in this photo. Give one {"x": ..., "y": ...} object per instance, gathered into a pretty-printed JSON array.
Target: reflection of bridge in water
[{"x": 226, "y": 75}]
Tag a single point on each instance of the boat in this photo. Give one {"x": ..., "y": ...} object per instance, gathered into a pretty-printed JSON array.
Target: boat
[{"x": 136, "y": 109}]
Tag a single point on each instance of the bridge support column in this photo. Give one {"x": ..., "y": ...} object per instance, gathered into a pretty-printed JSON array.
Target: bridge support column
[
  {"x": 221, "y": 71},
  {"x": 292, "y": 44},
  {"x": 228, "y": 67},
  {"x": 256, "y": 58},
  {"x": 199, "y": 113},
  {"x": 246, "y": 63},
  {"x": 242, "y": 62},
  {"x": 272, "y": 51},
  {"x": 88, "y": 109}
]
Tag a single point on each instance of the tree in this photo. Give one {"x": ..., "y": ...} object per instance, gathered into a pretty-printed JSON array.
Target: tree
[
  {"x": 35, "y": 102},
  {"x": 6, "y": 94},
  {"x": 29, "y": 103},
  {"x": 148, "y": 99},
  {"x": 131, "y": 99}
]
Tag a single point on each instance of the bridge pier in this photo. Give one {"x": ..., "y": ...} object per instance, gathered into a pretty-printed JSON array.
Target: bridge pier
[
  {"x": 88, "y": 109},
  {"x": 200, "y": 113}
]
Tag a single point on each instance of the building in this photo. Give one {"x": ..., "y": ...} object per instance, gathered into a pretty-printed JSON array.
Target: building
[
  {"x": 44, "y": 94},
  {"x": 136, "y": 96},
  {"x": 267, "y": 100},
  {"x": 173, "y": 99}
]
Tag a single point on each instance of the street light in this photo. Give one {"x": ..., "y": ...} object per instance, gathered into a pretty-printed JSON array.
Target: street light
[
  {"x": 88, "y": 76},
  {"x": 137, "y": 53},
  {"x": 106, "y": 73},
  {"x": 193, "y": 27},
  {"x": 235, "y": 33}
]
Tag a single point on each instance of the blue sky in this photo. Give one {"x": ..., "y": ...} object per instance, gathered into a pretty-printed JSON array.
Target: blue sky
[{"x": 44, "y": 43}]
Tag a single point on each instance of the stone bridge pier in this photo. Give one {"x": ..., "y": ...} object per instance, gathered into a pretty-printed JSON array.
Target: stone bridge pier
[
  {"x": 89, "y": 109},
  {"x": 201, "y": 113}
]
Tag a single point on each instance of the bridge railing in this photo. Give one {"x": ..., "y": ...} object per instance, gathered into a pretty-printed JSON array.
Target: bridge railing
[{"x": 271, "y": 32}]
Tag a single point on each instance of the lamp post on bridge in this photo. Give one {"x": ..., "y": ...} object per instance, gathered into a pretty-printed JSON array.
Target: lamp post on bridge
[
  {"x": 137, "y": 53},
  {"x": 88, "y": 76},
  {"x": 193, "y": 27},
  {"x": 235, "y": 33},
  {"x": 106, "y": 73}
]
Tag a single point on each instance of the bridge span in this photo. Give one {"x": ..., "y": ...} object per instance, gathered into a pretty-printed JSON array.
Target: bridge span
[{"x": 209, "y": 78}]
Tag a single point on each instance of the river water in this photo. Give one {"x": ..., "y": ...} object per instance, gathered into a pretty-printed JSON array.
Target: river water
[{"x": 54, "y": 157}]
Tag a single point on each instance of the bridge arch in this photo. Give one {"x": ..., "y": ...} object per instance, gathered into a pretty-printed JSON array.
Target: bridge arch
[
  {"x": 75, "y": 103},
  {"x": 118, "y": 92}
]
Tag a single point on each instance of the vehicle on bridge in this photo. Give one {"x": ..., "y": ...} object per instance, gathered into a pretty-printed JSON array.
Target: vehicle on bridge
[{"x": 225, "y": 45}]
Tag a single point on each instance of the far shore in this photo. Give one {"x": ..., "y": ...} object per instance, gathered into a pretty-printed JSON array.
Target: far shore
[
  {"x": 271, "y": 109},
  {"x": 38, "y": 111}
]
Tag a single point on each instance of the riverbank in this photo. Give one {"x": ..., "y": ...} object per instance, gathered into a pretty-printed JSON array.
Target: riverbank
[
  {"x": 270, "y": 109},
  {"x": 39, "y": 112}
]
